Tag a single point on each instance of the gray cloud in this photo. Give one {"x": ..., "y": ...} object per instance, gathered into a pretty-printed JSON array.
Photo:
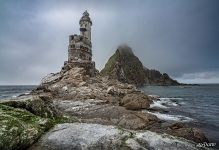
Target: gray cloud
[
  {"x": 200, "y": 77},
  {"x": 173, "y": 36}
]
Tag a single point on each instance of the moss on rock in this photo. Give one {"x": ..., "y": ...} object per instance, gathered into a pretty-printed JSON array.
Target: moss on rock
[
  {"x": 110, "y": 65},
  {"x": 20, "y": 128},
  {"x": 38, "y": 105}
]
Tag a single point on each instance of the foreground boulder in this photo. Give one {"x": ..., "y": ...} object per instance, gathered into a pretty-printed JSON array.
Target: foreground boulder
[
  {"x": 20, "y": 128},
  {"x": 83, "y": 136},
  {"x": 136, "y": 101}
]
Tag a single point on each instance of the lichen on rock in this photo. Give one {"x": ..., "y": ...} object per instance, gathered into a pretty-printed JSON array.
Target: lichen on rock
[
  {"x": 20, "y": 128},
  {"x": 38, "y": 105}
]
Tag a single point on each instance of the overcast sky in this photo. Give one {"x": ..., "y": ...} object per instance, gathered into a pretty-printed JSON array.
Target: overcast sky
[{"x": 179, "y": 37}]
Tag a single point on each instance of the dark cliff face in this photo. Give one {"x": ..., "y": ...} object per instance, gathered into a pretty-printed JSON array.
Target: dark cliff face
[{"x": 126, "y": 67}]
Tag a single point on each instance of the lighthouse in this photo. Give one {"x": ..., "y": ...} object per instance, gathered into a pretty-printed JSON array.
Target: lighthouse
[
  {"x": 85, "y": 25},
  {"x": 80, "y": 46}
]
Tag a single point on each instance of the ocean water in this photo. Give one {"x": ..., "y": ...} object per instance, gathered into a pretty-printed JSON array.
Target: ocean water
[
  {"x": 195, "y": 105},
  {"x": 11, "y": 91}
]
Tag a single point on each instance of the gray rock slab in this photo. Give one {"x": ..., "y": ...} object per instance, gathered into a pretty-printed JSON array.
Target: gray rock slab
[{"x": 83, "y": 136}]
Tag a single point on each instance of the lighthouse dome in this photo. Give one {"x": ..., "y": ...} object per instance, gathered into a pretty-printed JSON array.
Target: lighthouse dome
[{"x": 85, "y": 17}]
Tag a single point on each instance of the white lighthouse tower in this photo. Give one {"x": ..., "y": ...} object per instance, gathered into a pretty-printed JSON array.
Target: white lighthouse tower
[{"x": 85, "y": 25}]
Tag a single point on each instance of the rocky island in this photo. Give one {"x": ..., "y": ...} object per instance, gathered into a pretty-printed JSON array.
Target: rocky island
[
  {"x": 127, "y": 68},
  {"x": 80, "y": 108}
]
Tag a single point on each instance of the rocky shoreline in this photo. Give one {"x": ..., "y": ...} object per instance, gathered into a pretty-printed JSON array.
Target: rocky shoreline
[{"x": 78, "y": 108}]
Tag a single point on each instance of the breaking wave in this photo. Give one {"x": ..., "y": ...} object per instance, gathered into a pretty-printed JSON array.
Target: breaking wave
[
  {"x": 171, "y": 117},
  {"x": 165, "y": 102}
]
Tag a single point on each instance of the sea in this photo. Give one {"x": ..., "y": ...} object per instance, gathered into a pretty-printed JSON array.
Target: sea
[
  {"x": 197, "y": 106},
  {"x": 194, "y": 105},
  {"x": 12, "y": 91}
]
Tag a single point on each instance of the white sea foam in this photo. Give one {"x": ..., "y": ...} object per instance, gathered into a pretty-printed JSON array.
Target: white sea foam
[
  {"x": 158, "y": 104},
  {"x": 17, "y": 95},
  {"x": 182, "y": 103},
  {"x": 164, "y": 102},
  {"x": 154, "y": 96},
  {"x": 175, "y": 98},
  {"x": 171, "y": 117}
]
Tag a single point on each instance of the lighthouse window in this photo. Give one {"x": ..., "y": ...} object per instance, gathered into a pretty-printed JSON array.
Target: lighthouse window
[{"x": 77, "y": 45}]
